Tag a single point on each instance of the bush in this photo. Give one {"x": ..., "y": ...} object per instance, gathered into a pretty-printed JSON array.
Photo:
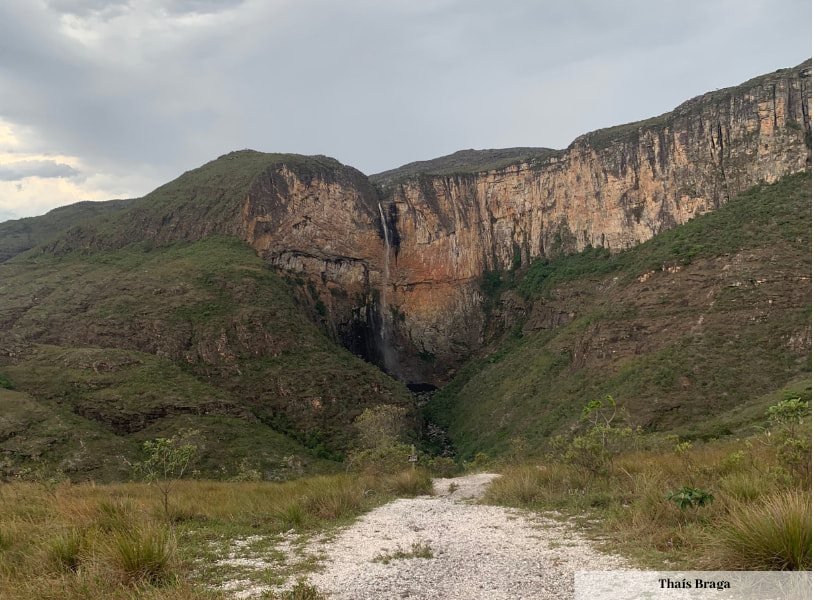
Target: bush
[
  {"x": 687, "y": 497},
  {"x": 384, "y": 459},
  {"x": 381, "y": 447},
  {"x": 793, "y": 445},
  {"x": 381, "y": 426},
  {"x": 65, "y": 549},
  {"x": 144, "y": 555},
  {"x": 442, "y": 466},
  {"x": 773, "y": 535},
  {"x": 596, "y": 449},
  {"x": 412, "y": 482}
]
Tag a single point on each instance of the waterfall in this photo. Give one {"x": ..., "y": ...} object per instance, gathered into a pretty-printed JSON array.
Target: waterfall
[
  {"x": 386, "y": 275},
  {"x": 389, "y": 361}
]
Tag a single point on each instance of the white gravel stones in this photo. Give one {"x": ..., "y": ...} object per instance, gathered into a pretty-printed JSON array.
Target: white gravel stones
[{"x": 479, "y": 552}]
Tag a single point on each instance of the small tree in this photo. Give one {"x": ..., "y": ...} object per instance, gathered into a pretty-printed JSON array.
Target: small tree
[
  {"x": 167, "y": 460},
  {"x": 595, "y": 450},
  {"x": 793, "y": 448},
  {"x": 382, "y": 425},
  {"x": 381, "y": 431}
]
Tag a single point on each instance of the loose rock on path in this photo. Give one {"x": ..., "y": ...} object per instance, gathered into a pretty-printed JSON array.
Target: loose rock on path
[{"x": 477, "y": 552}]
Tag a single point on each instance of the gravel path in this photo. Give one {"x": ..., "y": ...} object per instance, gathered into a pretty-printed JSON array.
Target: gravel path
[{"x": 477, "y": 552}]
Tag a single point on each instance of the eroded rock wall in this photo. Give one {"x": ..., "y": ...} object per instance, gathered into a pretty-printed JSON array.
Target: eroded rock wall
[{"x": 613, "y": 188}]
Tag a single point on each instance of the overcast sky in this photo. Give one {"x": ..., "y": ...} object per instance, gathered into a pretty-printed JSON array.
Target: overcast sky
[{"x": 104, "y": 99}]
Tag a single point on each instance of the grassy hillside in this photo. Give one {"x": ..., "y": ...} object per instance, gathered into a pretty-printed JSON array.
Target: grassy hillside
[
  {"x": 684, "y": 328},
  {"x": 20, "y": 235},
  {"x": 199, "y": 203},
  {"x": 463, "y": 161},
  {"x": 120, "y": 346}
]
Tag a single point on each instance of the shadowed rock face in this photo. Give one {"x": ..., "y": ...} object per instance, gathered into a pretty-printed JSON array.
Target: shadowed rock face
[
  {"x": 326, "y": 223},
  {"x": 613, "y": 188}
]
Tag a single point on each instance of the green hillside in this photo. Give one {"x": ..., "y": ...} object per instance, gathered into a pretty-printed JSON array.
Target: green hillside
[
  {"x": 464, "y": 161},
  {"x": 19, "y": 235},
  {"x": 122, "y": 345},
  {"x": 199, "y": 203},
  {"x": 687, "y": 327}
]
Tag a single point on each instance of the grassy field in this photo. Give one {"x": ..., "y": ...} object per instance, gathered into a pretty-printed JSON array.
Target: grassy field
[
  {"x": 755, "y": 513},
  {"x": 88, "y": 541}
]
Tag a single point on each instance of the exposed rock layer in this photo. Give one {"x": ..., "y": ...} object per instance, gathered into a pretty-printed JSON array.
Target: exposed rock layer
[{"x": 613, "y": 188}]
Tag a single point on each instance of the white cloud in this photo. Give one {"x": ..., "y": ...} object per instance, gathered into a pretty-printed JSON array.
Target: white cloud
[
  {"x": 137, "y": 91},
  {"x": 24, "y": 169},
  {"x": 36, "y": 196}
]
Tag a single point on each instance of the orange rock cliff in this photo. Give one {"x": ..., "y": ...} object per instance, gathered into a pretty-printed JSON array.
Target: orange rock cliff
[
  {"x": 613, "y": 188},
  {"x": 395, "y": 261}
]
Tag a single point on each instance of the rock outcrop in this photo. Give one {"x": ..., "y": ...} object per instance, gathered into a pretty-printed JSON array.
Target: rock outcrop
[
  {"x": 613, "y": 188},
  {"x": 393, "y": 270}
]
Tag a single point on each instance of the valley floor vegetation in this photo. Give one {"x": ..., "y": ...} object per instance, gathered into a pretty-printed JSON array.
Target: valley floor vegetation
[
  {"x": 669, "y": 503},
  {"x": 120, "y": 541}
]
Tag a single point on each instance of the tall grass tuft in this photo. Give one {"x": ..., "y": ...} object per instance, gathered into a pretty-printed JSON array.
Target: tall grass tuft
[
  {"x": 65, "y": 550},
  {"x": 772, "y": 535},
  {"x": 745, "y": 486},
  {"x": 291, "y": 514},
  {"x": 517, "y": 487},
  {"x": 413, "y": 482},
  {"x": 334, "y": 498},
  {"x": 115, "y": 514},
  {"x": 144, "y": 555},
  {"x": 300, "y": 591}
]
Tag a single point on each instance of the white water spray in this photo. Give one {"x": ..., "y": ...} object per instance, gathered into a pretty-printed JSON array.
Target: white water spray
[
  {"x": 386, "y": 275},
  {"x": 388, "y": 353}
]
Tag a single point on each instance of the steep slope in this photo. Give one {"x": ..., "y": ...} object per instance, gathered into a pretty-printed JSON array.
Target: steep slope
[
  {"x": 215, "y": 280},
  {"x": 395, "y": 270},
  {"x": 136, "y": 341},
  {"x": 20, "y": 235},
  {"x": 612, "y": 188},
  {"x": 309, "y": 215},
  {"x": 699, "y": 320}
]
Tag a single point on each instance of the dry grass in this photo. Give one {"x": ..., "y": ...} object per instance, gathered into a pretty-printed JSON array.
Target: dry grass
[
  {"x": 760, "y": 517},
  {"x": 114, "y": 542},
  {"x": 773, "y": 534}
]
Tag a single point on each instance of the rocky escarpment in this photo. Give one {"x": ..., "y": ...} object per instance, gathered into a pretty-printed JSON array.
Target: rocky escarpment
[
  {"x": 612, "y": 188},
  {"x": 310, "y": 216},
  {"x": 393, "y": 272}
]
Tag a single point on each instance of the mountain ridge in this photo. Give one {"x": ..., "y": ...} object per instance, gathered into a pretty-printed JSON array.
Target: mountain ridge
[{"x": 255, "y": 274}]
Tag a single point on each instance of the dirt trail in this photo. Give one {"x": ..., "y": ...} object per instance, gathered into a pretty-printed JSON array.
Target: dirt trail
[{"x": 444, "y": 546}]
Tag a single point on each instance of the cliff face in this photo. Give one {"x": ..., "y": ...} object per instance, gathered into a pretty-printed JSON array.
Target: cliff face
[
  {"x": 393, "y": 272},
  {"x": 326, "y": 226},
  {"x": 612, "y": 188}
]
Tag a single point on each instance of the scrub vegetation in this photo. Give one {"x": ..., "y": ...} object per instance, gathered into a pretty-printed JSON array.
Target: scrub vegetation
[
  {"x": 731, "y": 504},
  {"x": 86, "y": 541},
  {"x": 694, "y": 329}
]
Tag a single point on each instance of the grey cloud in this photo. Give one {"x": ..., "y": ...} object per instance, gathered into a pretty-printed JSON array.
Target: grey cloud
[
  {"x": 84, "y": 8},
  {"x": 200, "y": 6},
  {"x": 18, "y": 170},
  {"x": 111, "y": 8},
  {"x": 375, "y": 84}
]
